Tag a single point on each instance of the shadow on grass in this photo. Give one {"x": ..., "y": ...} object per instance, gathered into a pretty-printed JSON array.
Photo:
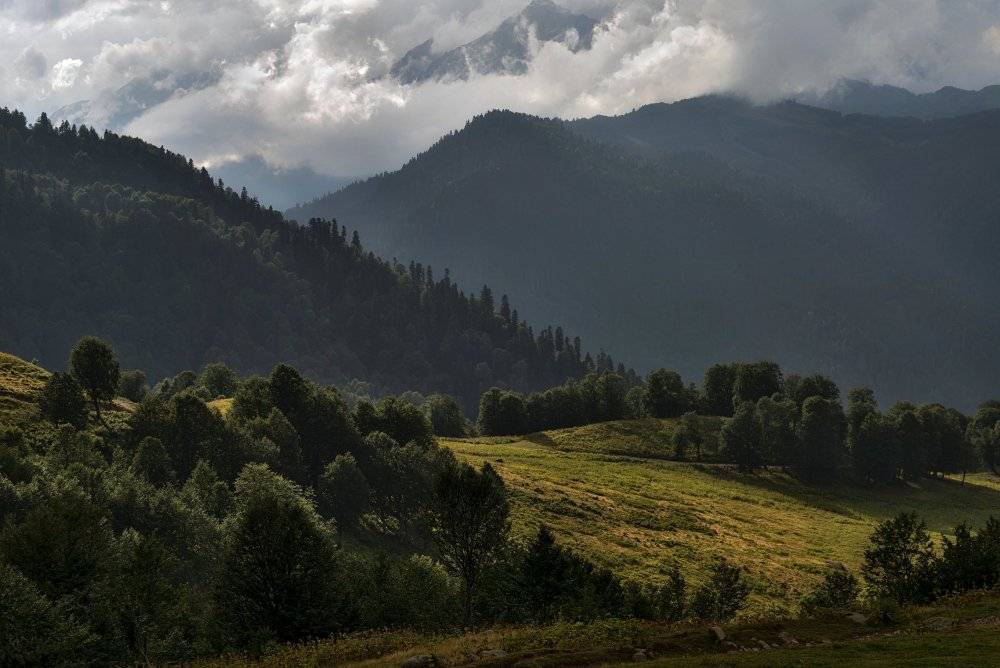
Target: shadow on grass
[
  {"x": 542, "y": 439},
  {"x": 941, "y": 503}
]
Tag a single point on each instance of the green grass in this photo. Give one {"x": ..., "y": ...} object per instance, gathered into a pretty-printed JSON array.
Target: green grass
[
  {"x": 640, "y": 515},
  {"x": 20, "y": 382}
]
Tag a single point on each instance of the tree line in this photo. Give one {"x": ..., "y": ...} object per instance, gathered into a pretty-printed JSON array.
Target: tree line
[{"x": 771, "y": 419}]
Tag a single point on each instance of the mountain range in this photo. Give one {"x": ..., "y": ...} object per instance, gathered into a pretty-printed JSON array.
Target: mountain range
[
  {"x": 505, "y": 50},
  {"x": 863, "y": 97},
  {"x": 711, "y": 229}
]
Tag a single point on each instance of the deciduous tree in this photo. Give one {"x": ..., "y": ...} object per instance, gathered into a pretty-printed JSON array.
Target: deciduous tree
[
  {"x": 469, "y": 519},
  {"x": 94, "y": 365}
]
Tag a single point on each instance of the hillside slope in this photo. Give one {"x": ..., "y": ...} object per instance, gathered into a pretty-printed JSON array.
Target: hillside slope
[
  {"x": 640, "y": 515},
  {"x": 107, "y": 235},
  {"x": 20, "y": 382},
  {"x": 681, "y": 260}
]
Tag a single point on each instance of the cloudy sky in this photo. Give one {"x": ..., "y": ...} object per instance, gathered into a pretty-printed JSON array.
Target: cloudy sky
[{"x": 302, "y": 82}]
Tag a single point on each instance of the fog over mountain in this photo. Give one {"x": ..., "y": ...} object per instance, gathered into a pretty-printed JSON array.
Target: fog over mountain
[
  {"x": 304, "y": 84},
  {"x": 506, "y": 50}
]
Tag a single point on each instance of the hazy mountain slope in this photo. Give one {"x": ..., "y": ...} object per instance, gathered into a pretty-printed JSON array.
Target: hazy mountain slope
[
  {"x": 681, "y": 264},
  {"x": 923, "y": 187},
  {"x": 862, "y": 97},
  {"x": 506, "y": 50},
  {"x": 108, "y": 235}
]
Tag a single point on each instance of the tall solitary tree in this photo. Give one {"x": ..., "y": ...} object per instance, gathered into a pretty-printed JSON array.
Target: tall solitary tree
[
  {"x": 94, "y": 365},
  {"x": 469, "y": 519}
]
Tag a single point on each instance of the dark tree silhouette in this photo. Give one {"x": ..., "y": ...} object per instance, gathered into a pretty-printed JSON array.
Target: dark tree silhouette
[{"x": 94, "y": 365}]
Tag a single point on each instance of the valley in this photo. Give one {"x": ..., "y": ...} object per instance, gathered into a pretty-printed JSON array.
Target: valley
[{"x": 600, "y": 332}]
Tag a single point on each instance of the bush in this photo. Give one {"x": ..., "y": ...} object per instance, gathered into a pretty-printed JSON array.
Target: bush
[
  {"x": 899, "y": 560},
  {"x": 838, "y": 591}
]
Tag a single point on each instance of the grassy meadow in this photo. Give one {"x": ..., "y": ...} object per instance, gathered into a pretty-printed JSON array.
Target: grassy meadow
[
  {"x": 20, "y": 381},
  {"x": 608, "y": 492}
]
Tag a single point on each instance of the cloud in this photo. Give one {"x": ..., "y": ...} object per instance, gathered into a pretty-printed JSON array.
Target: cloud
[
  {"x": 40, "y": 11},
  {"x": 64, "y": 72},
  {"x": 31, "y": 64},
  {"x": 302, "y": 81}
]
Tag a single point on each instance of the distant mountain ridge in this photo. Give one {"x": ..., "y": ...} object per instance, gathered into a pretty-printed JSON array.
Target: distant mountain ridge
[
  {"x": 850, "y": 96},
  {"x": 682, "y": 235},
  {"x": 115, "y": 110},
  {"x": 505, "y": 50}
]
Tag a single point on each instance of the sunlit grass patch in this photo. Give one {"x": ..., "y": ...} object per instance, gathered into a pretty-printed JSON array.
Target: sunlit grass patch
[{"x": 598, "y": 489}]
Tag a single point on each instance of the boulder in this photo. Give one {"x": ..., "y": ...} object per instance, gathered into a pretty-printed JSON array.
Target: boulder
[
  {"x": 763, "y": 644},
  {"x": 716, "y": 633},
  {"x": 492, "y": 654},
  {"x": 641, "y": 655},
  {"x": 421, "y": 661},
  {"x": 857, "y": 617}
]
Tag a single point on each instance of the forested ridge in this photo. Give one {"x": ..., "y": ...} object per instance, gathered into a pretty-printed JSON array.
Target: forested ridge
[
  {"x": 713, "y": 229},
  {"x": 108, "y": 235}
]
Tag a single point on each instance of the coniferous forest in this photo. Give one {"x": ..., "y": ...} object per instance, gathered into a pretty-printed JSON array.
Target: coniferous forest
[{"x": 108, "y": 235}]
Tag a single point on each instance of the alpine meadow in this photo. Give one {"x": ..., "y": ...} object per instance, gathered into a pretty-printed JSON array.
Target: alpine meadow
[{"x": 454, "y": 332}]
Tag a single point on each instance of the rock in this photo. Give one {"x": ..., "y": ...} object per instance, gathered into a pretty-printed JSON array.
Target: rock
[
  {"x": 420, "y": 661},
  {"x": 835, "y": 565},
  {"x": 732, "y": 646},
  {"x": 787, "y": 638},
  {"x": 717, "y": 633},
  {"x": 641, "y": 655},
  {"x": 492, "y": 654},
  {"x": 857, "y": 617},
  {"x": 763, "y": 644}
]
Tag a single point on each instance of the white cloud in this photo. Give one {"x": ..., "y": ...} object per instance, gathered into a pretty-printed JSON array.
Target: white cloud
[
  {"x": 300, "y": 80},
  {"x": 64, "y": 72}
]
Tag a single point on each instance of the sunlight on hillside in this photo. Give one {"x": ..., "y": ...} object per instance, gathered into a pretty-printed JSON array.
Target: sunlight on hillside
[{"x": 640, "y": 516}]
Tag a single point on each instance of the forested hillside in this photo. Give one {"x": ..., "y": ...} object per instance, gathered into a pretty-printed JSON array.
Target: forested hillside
[
  {"x": 107, "y": 235},
  {"x": 682, "y": 235}
]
